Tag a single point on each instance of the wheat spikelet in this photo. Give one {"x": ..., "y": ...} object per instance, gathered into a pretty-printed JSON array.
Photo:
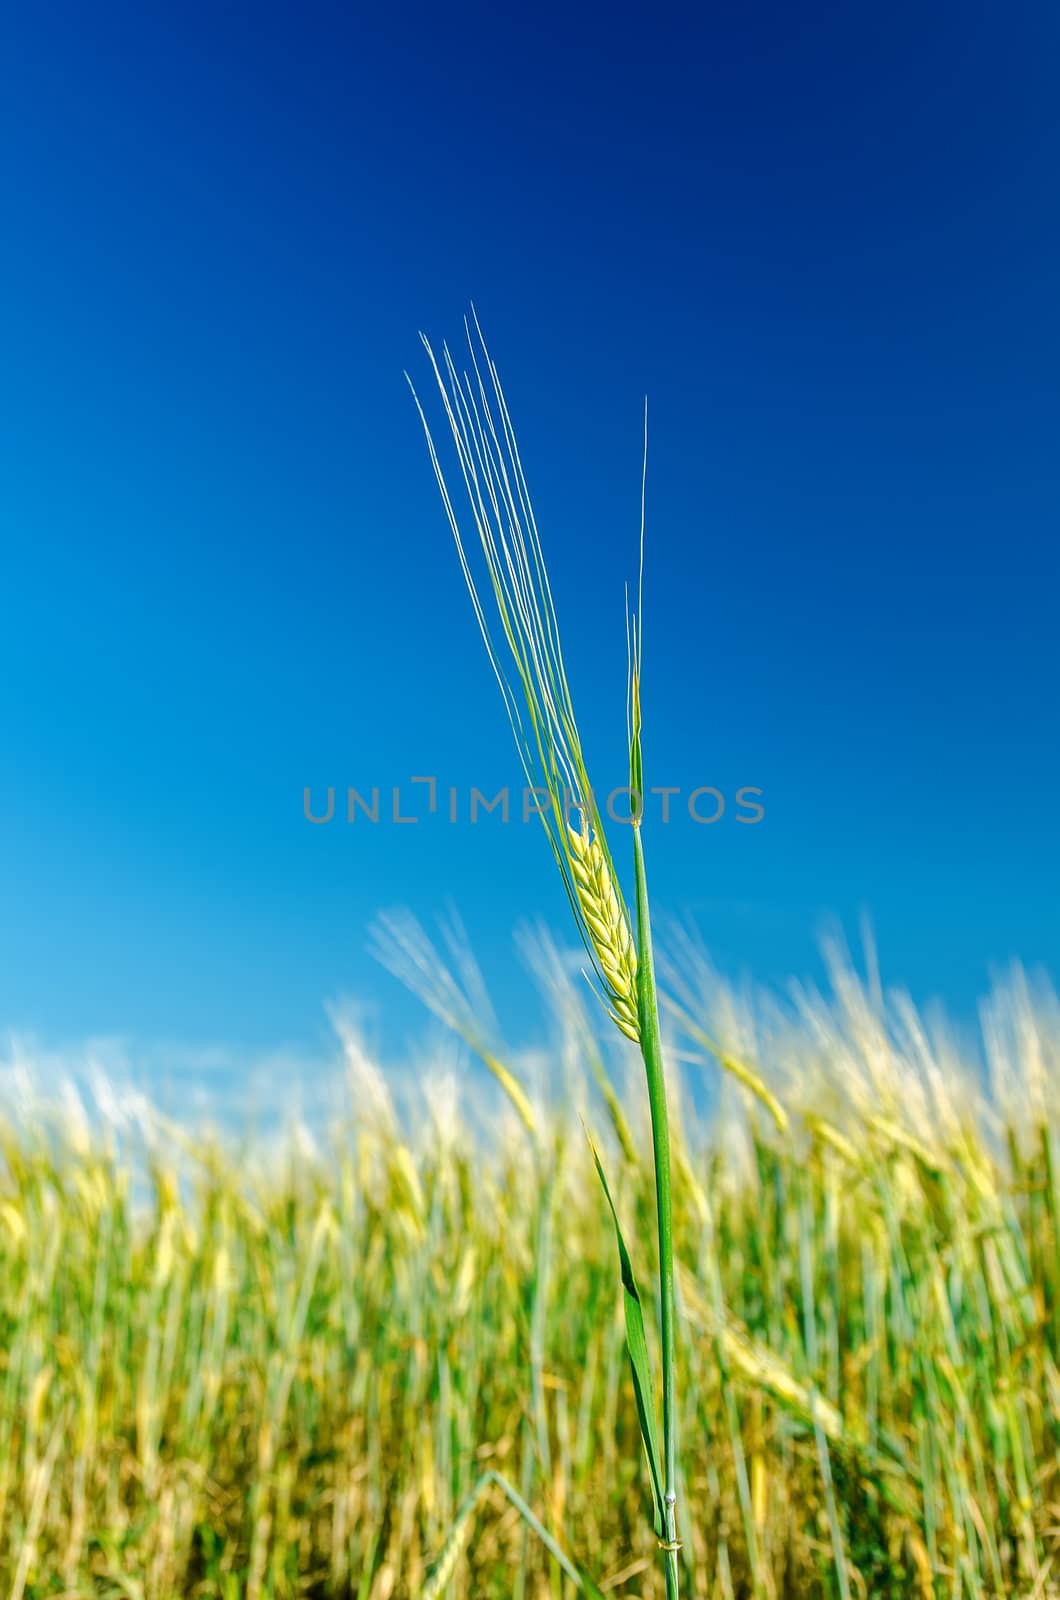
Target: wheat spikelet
[
  {"x": 442, "y": 1572},
  {"x": 608, "y": 927}
]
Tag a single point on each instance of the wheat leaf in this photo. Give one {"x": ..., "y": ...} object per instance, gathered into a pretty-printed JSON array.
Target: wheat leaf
[{"x": 637, "y": 1345}]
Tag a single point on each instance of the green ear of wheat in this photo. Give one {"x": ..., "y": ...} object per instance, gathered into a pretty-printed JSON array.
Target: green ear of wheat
[
  {"x": 605, "y": 917},
  {"x": 530, "y": 670}
]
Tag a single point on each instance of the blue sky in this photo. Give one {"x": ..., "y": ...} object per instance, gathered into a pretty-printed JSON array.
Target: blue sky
[{"x": 824, "y": 240}]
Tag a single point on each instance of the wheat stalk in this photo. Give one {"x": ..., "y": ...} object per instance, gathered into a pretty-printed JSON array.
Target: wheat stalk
[{"x": 550, "y": 749}]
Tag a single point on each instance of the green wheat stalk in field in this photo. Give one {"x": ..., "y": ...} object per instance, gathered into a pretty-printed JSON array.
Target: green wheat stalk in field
[{"x": 541, "y": 714}]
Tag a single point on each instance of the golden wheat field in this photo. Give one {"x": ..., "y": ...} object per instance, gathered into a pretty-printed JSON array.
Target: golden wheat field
[{"x": 348, "y": 1364}]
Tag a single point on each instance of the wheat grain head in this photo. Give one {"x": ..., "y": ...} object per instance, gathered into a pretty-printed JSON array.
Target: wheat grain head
[{"x": 537, "y": 698}]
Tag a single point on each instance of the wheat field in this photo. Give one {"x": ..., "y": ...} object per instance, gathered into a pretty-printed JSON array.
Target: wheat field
[{"x": 318, "y": 1369}]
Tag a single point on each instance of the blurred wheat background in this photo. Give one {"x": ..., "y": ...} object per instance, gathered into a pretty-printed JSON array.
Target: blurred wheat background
[{"x": 277, "y": 1371}]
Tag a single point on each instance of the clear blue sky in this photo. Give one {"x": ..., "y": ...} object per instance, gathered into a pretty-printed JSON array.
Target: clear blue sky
[{"x": 824, "y": 239}]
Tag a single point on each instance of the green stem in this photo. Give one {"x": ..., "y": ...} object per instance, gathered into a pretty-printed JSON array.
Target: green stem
[{"x": 651, "y": 1050}]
